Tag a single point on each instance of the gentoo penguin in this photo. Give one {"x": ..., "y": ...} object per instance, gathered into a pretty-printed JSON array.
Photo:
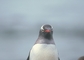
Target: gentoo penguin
[{"x": 44, "y": 47}]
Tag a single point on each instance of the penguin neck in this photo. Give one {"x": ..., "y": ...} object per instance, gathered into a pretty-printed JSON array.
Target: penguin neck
[{"x": 46, "y": 35}]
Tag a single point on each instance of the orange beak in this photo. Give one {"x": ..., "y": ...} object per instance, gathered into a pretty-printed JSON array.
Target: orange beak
[{"x": 47, "y": 31}]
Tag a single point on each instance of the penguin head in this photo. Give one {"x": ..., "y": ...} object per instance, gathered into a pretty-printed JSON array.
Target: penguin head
[
  {"x": 46, "y": 31},
  {"x": 46, "y": 28}
]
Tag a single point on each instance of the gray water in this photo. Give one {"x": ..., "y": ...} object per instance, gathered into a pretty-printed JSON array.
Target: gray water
[{"x": 20, "y": 21}]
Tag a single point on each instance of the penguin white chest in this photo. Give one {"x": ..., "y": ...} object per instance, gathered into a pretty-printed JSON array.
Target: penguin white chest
[{"x": 44, "y": 52}]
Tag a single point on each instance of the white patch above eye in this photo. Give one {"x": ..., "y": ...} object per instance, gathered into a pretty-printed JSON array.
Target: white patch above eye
[{"x": 42, "y": 27}]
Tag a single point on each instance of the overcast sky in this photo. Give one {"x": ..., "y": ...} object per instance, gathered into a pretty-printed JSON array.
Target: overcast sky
[{"x": 24, "y": 13}]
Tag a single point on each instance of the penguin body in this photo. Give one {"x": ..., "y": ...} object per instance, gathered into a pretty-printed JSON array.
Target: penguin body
[
  {"x": 44, "y": 52},
  {"x": 44, "y": 47}
]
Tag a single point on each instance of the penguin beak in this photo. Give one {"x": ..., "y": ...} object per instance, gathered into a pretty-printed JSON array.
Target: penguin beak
[{"x": 47, "y": 31}]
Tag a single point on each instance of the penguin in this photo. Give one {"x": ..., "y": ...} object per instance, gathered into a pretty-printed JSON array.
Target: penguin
[
  {"x": 44, "y": 47},
  {"x": 81, "y": 58}
]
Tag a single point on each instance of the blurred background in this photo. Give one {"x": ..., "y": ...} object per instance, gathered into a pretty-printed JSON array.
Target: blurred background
[{"x": 20, "y": 21}]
